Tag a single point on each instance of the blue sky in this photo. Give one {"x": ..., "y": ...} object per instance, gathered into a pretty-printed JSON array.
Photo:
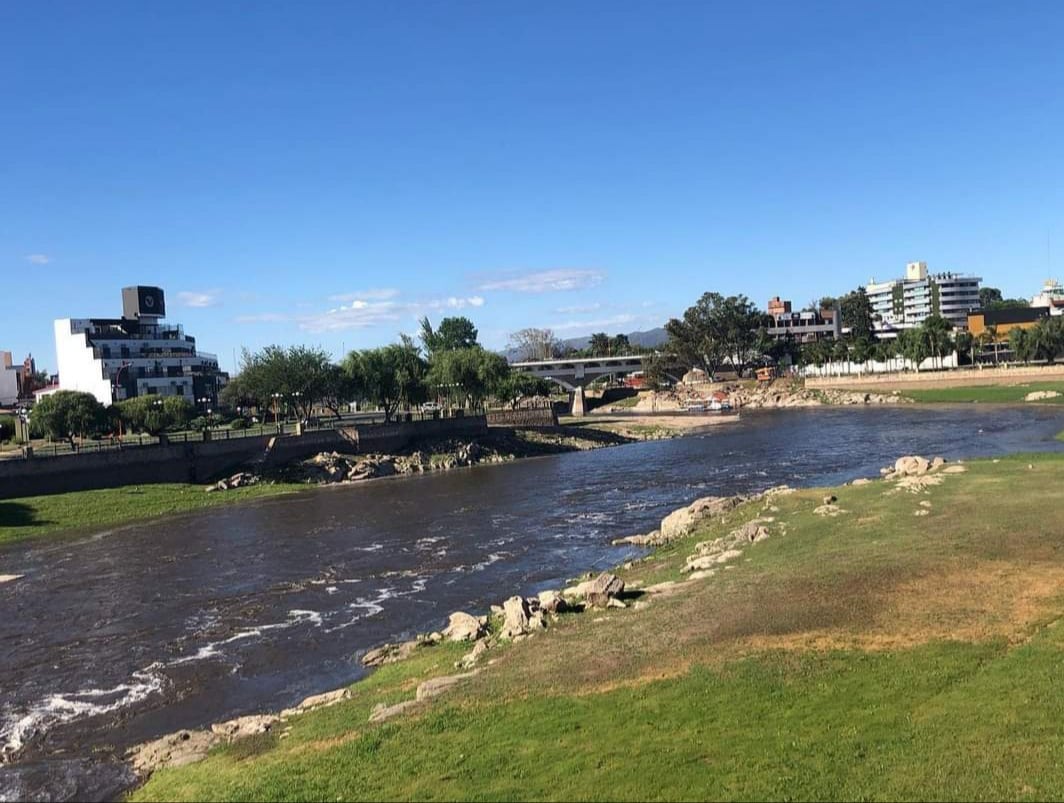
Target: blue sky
[{"x": 325, "y": 173}]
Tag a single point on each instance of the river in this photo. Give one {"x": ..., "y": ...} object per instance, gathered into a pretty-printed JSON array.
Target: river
[{"x": 112, "y": 638}]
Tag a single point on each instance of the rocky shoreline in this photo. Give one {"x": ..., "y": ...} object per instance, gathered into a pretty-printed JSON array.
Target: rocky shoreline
[
  {"x": 519, "y": 618},
  {"x": 499, "y": 446},
  {"x": 772, "y": 395}
]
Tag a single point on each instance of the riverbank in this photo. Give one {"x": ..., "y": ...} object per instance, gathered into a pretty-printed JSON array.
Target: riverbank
[
  {"x": 1020, "y": 393},
  {"x": 870, "y": 644},
  {"x": 76, "y": 511},
  {"x": 34, "y": 516}
]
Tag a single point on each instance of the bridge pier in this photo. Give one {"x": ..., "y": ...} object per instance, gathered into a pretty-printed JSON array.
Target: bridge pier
[{"x": 579, "y": 408}]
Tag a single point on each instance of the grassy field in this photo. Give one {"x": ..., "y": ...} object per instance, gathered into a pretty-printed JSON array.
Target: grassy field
[
  {"x": 999, "y": 394},
  {"x": 886, "y": 653},
  {"x": 31, "y": 516}
]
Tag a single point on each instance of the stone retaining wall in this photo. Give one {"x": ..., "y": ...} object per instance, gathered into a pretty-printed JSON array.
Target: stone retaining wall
[
  {"x": 523, "y": 419},
  {"x": 201, "y": 462}
]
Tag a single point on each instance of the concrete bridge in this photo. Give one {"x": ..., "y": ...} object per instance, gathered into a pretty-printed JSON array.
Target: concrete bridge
[{"x": 575, "y": 373}]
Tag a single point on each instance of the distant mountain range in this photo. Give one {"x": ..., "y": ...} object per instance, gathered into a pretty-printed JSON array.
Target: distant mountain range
[
  {"x": 648, "y": 339},
  {"x": 651, "y": 338}
]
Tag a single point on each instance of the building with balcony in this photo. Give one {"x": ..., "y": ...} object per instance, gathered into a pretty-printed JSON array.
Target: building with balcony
[
  {"x": 803, "y": 327},
  {"x": 135, "y": 355},
  {"x": 1052, "y": 296},
  {"x": 906, "y": 303}
]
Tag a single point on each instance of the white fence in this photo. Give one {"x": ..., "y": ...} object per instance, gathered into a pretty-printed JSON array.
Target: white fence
[{"x": 874, "y": 367}]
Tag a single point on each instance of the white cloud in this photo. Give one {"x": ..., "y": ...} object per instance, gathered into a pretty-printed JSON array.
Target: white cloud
[
  {"x": 364, "y": 310},
  {"x": 207, "y": 298},
  {"x": 358, "y": 314},
  {"x": 579, "y": 309},
  {"x": 38, "y": 259},
  {"x": 544, "y": 281},
  {"x": 595, "y": 324},
  {"x": 363, "y": 314},
  {"x": 374, "y": 294}
]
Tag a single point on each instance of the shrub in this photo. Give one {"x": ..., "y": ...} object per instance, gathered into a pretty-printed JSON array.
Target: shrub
[{"x": 7, "y": 427}]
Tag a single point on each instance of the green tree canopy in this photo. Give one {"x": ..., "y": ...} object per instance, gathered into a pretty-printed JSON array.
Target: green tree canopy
[
  {"x": 936, "y": 333},
  {"x": 300, "y": 376},
  {"x": 154, "y": 414},
  {"x": 856, "y": 312},
  {"x": 390, "y": 377},
  {"x": 715, "y": 330},
  {"x": 518, "y": 385},
  {"x": 452, "y": 333},
  {"x": 67, "y": 413},
  {"x": 470, "y": 374},
  {"x": 599, "y": 345}
]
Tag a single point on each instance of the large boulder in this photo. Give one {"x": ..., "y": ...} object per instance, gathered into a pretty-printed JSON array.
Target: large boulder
[
  {"x": 173, "y": 750},
  {"x": 516, "y": 617},
  {"x": 463, "y": 627},
  {"x": 433, "y": 687},
  {"x": 552, "y": 602},
  {"x": 242, "y": 727},
  {"x": 389, "y": 653},
  {"x": 603, "y": 588},
  {"x": 683, "y": 522},
  {"x": 910, "y": 466}
]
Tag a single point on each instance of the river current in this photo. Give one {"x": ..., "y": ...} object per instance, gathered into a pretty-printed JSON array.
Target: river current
[{"x": 115, "y": 637}]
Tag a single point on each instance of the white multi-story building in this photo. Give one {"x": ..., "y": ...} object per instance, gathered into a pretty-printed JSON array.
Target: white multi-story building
[
  {"x": 904, "y": 303},
  {"x": 1052, "y": 296},
  {"x": 135, "y": 355}
]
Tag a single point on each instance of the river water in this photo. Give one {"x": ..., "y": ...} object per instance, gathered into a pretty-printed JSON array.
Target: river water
[{"x": 115, "y": 637}]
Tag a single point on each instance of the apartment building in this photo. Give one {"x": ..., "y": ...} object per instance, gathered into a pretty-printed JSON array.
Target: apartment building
[
  {"x": 907, "y": 302},
  {"x": 135, "y": 355}
]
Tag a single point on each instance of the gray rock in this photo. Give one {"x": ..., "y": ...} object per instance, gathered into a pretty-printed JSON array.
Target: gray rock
[
  {"x": 389, "y": 653},
  {"x": 242, "y": 727},
  {"x": 516, "y": 615},
  {"x": 552, "y": 602},
  {"x": 173, "y": 750},
  {"x": 604, "y": 587},
  {"x": 434, "y": 687},
  {"x": 463, "y": 627},
  {"x": 381, "y": 712}
]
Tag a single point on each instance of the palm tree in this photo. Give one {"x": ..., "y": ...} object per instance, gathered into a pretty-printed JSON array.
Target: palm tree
[{"x": 936, "y": 331}]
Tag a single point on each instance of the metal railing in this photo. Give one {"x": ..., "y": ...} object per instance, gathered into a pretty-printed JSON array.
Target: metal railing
[{"x": 224, "y": 433}]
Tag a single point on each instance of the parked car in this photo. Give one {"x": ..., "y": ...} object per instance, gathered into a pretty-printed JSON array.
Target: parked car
[{"x": 431, "y": 407}]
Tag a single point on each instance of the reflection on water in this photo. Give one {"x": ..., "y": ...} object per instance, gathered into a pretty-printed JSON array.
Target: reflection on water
[{"x": 108, "y": 641}]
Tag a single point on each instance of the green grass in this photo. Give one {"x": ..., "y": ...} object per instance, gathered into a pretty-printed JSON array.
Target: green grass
[
  {"x": 34, "y": 516},
  {"x": 876, "y": 655},
  {"x": 990, "y": 394}
]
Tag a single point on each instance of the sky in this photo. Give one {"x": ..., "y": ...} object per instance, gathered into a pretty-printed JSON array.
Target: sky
[{"x": 326, "y": 173}]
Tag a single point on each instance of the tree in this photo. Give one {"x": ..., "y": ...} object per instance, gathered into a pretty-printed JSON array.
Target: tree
[
  {"x": 716, "y": 329},
  {"x": 988, "y": 296},
  {"x": 67, "y": 413},
  {"x": 619, "y": 345},
  {"x": 1020, "y": 344},
  {"x": 534, "y": 344},
  {"x": 936, "y": 333},
  {"x": 453, "y": 333},
  {"x": 913, "y": 346},
  {"x": 519, "y": 385},
  {"x": 474, "y": 374},
  {"x": 856, "y": 312},
  {"x": 1046, "y": 339},
  {"x": 390, "y": 377},
  {"x": 300, "y": 376},
  {"x": 599, "y": 345},
  {"x": 654, "y": 366},
  {"x": 154, "y": 414},
  {"x": 964, "y": 343}
]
